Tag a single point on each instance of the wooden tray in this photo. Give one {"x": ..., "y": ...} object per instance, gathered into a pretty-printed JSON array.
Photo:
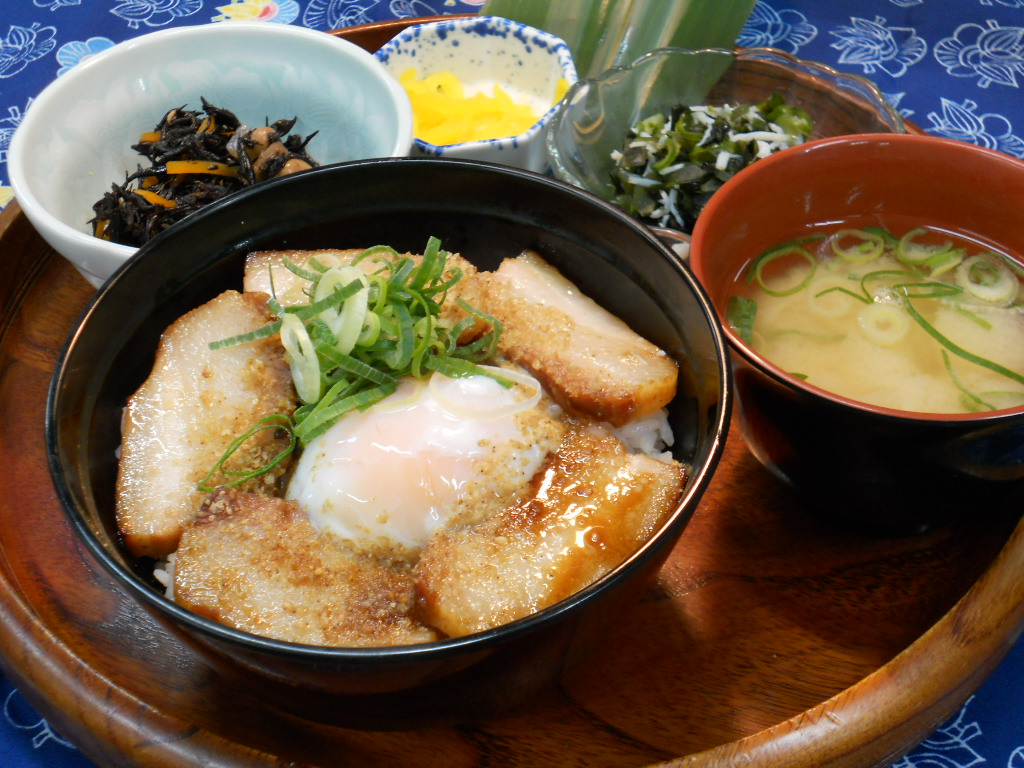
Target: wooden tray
[{"x": 769, "y": 639}]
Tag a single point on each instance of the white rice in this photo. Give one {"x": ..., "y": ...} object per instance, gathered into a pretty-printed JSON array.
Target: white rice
[
  {"x": 163, "y": 572},
  {"x": 651, "y": 435}
]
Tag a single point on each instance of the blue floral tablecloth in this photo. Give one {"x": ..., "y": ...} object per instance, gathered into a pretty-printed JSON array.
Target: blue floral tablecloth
[{"x": 953, "y": 67}]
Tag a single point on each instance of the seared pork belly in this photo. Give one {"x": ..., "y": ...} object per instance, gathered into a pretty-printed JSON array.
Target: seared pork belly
[
  {"x": 590, "y": 361},
  {"x": 186, "y": 414},
  {"x": 266, "y": 270},
  {"x": 592, "y": 506},
  {"x": 257, "y": 564}
]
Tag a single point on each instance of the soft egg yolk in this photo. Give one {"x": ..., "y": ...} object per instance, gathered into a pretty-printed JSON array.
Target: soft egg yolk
[{"x": 396, "y": 471}]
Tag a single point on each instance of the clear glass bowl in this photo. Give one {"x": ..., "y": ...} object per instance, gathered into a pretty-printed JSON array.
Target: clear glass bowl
[{"x": 597, "y": 113}]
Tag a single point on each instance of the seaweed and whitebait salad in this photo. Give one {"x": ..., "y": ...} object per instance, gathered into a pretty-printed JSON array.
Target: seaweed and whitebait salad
[{"x": 669, "y": 166}]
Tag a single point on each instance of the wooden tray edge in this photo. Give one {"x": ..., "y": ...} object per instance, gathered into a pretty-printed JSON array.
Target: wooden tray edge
[
  {"x": 889, "y": 700},
  {"x": 897, "y": 713}
]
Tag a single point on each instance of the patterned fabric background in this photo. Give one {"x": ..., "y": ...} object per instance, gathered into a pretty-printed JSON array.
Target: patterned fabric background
[{"x": 953, "y": 67}]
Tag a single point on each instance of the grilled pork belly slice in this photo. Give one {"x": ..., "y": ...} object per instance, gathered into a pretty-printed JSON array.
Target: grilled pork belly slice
[
  {"x": 266, "y": 270},
  {"x": 186, "y": 414},
  {"x": 590, "y": 361},
  {"x": 257, "y": 564},
  {"x": 592, "y": 506}
]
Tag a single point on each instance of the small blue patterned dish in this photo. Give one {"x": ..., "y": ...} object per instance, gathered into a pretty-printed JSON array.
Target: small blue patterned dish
[{"x": 481, "y": 51}]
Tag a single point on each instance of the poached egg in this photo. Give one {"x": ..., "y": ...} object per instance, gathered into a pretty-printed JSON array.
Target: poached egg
[{"x": 386, "y": 478}]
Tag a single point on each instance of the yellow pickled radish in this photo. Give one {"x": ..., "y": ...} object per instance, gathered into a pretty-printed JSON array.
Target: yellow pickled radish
[{"x": 444, "y": 114}]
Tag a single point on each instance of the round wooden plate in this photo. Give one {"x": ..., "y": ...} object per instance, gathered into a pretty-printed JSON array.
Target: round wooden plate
[{"x": 771, "y": 638}]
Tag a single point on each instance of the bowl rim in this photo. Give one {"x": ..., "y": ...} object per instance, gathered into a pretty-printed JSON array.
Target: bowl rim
[
  {"x": 470, "y": 24},
  {"x": 783, "y": 377},
  {"x": 758, "y": 53},
  {"x": 57, "y": 88},
  {"x": 718, "y": 427}
]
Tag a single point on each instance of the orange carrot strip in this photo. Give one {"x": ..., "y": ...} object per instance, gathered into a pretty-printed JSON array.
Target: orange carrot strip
[
  {"x": 149, "y": 137},
  {"x": 200, "y": 166},
  {"x": 154, "y": 198}
]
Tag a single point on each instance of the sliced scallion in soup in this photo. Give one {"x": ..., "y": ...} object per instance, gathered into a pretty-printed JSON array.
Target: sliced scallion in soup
[{"x": 918, "y": 319}]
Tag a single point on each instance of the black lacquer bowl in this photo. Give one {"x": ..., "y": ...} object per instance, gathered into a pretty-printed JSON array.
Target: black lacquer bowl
[{"x": 486, "y": 212}]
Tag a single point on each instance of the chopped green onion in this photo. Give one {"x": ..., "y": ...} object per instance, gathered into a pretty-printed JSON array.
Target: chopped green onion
[
  {"x": 332, "y": 300},
  {"x": 866, "y": 245},
  {"x": 988, "y": 279},
  {"x": 779, "y": 253},
  {"x": 374, "y": 252},
  {"x": 274, "y": 421},
  {"x": 919, "y": 288},
  {"x": 316, "y": 424},
  {"x": 840, "y": 289},
  {"x": 1004, "y": 399},
  {"x": 302, "y": 358},
  {"x": 884, "y": 324},
  {"x": 910, "y": 252},
  {"x": 456, "y": 368},
  {"x": 485, "y": 346},
  {"x": 353, "y": 366},
  {"x": 887, "y": 237},
  {"x": 365, "y": 327},
  {"x": 960, "y": 351},
  {"x": 1016, "y": 268},
  {"x": 970, "y": 400},
  {"x": 371, "y": 330},
  {"x": 740, "y": 315},
  {"x": 976, "y": 319},
  {"x": 430, "y": 267},
  {"x": 263, "y": 332},
  {"x": 347, "y": 322},
  {"x": 305, "y": 274}
]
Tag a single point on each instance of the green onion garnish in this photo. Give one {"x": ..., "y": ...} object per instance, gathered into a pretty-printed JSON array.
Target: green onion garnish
[
  {"x": 361, "y": 332},
  {"x": 971, "y": 401},
  {"x": 802, "y": 254},
  {"x": 960, "y": 351},
  {"x": 740, "y": 315},
  {"x": 857, "y": 245},
  {"x": 274, "y": 421}
]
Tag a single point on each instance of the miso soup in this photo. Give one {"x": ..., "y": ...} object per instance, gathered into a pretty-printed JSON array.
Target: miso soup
[{"x": 917, "y": 320}]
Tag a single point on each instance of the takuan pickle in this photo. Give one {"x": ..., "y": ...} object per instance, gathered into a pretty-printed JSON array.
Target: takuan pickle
[
  {"x": 444, "y": 114},
  {"x": 195, "y": 158}
]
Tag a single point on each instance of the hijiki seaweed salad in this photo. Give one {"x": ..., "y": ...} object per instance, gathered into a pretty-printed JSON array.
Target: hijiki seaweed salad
[
  {"x": 195, "y": 158},
  {"x": 669, "y": 167}
]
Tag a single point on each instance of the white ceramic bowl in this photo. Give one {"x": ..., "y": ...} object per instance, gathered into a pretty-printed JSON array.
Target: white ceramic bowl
[
  {"x": 526, "y": 62},
  {"x": 75, "y": 140}
]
